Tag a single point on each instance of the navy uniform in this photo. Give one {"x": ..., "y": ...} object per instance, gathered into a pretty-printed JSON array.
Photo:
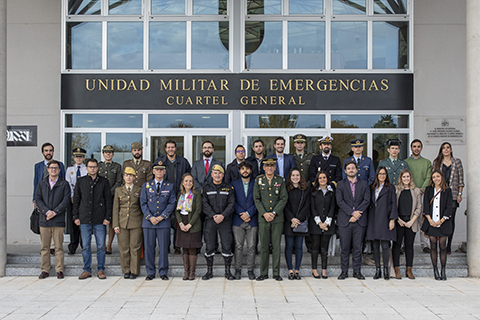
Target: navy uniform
[
  {"x": 218, "y": 199},
  {"x": 365, "y": 168},
  {"x": 302, "y": 161},
  {"x": 157, "y": 199},
  {"x": 394, "y": 167},
  {"x": 328, "y": 163},
  {"x": 143, "y": 169}
]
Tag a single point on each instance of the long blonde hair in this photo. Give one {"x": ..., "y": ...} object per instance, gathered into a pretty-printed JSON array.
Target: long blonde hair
[{"x": 400, "y": 186}]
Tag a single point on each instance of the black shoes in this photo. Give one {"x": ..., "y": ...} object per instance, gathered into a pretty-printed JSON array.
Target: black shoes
[
  {"x": 436, "y": 274},
  {"x": 342, "y": 276},
  {"x": 208, "y": 275},
  {"x": 133, "y": 276},
  {"x": 386, "y": 273},
  {"x": 378, "y": 273},
  {"x": 291, "y": 276},
  {"x": 316, "y": 276},
  {"x": 126, "y": 275},
  {"x": 164, "y": 277},
  {"x": 443, "y": 274},
  {"x": 60, "y": 275},
  {"x": 150, "y": 277},
  {"x": 238, "y": 274},
  {"x": 426, "y": 250},
  {"x": 278, "y": 278},
  {"x": 251, "y": 275},
  {"x": 297, "y": 276},
  {"x": 358, "y": 275},
  {"x": 43, "y": 275},
  {"x": 262, "y": 277}
]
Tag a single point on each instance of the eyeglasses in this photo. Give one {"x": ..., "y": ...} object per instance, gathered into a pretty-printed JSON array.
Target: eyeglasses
[
  {"x": 207, "y": 148},
  {"x": 240, "y": 151}
]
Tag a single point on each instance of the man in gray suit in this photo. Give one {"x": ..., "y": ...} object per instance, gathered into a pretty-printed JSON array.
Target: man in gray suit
[{"x": 202, "y": 169}]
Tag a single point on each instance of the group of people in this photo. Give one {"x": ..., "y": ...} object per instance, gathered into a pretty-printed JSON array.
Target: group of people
[{"x": 306, "y": 197}]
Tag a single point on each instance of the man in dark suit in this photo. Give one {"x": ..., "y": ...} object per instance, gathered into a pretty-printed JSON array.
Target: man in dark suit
[
  {"x": 41, "y": 167},
  {"x": 285, "y": 162},
  {"x": 202, "y": 169},
  {"x": 233, "y": 168},
  {"x": 245, "y": 220},
  {"x": 353, "y": 198},
  {"x": 326, "y": 162}
]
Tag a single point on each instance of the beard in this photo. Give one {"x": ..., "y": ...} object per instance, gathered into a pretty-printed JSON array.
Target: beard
[
  {"x": 246, "y": 175},
  {"x": 207, "y": 154},
  {"x": 48, "y": 157},
  {"x": 137, "y": 155}
]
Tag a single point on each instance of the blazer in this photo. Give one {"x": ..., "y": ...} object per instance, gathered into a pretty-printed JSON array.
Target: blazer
[
  {"x": 365, "y": 170},
  {"x": 155, "y": 204},
  {"x": 126, "y": 213},
  {"x": 456, "y": 177},
  {"x": 194, "y": 215},
  {"x": 56, "y": 199},
  {"x": 232, "y": 172},
  {"x": 332, "y": 167},
  {"x": 380, "y": 212},
  {"x": 416, "y": 206},
  {"x": 38, "y": 174},
  {"x": 288, "y": 163},
  {"x": 297, "y": 207},
  {"x": 244, "y": 203},
  {"x": 322, "y": 206},
  {"x": 346, "y": 203},
  {"x": 200, "y": 177},
  {"x": 445, "y": 209}
]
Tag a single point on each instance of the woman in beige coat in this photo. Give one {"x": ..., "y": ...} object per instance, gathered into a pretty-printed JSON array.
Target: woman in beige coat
[{"x": 409, "y": 203}]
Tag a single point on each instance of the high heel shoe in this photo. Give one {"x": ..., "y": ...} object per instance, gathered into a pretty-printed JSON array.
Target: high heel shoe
[
  {"x": 324, "y": 277},
  {"x": 316, "y": 276},
  {"x": 443, "y": 274},
  {"x": 435, "y": 273}
]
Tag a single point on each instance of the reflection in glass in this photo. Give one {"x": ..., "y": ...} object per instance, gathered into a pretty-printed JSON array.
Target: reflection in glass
[
  {"x": 83, "y": 7},
  {"x": 210, "y": 7},
  {"x": 264, "y": 6},
  {"x": 125, "y": 45},
  {"x": 188, "y": 120},
  {"x": 168, "y": 7},
  {"x": 219, "y": 146},
  {"x": 341, "y": 146},
  {"x": 124, "y": 6},
  {"x": 311, "y": 146},
  {"x": 370, "y": 121},
  {"x": 306, "y": 45},
  {"x": 380, "y": 149},
  {"x": 168, "y": 45},
  {"x": 88, "y": 141},
  {"x": 267, "y": 143},
  {"x": 84, "y": 45},
  {"x": 157, "y": 146},
  {"x": 208, "y": 49},
  {"x": 390, "y": 6},
  {"x": 349, "y": 7},
  {"x": 284, "y": 121},
  {"x": 103, "y": 120},
  {"x": 263, "y": 45},
  {"x": 390, "y": 45},
  {"x": 121, "y": 143},
  {"x": 306, "y": 6},
  {"x": 349, "y": 45}
]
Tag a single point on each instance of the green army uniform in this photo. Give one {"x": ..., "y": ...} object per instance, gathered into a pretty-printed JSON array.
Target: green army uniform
[
  {"x": 270, "y": 198},
  {"x": 112, "y": 171},
  {"x": 143, "y": 171},
  {"x": 302, "y": 162}
]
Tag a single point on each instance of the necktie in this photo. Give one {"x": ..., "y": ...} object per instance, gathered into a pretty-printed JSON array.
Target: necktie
[
  {"x": 358, "y": 162},
  {"x": 78, "y": 172},
  {"x": 206, "y": 165},
  {"x": 325, "y": 158},
  {"x": 158, "y": 187},
  {"x": 129, "y": 189},
  {"x": 394, "y": 163}
]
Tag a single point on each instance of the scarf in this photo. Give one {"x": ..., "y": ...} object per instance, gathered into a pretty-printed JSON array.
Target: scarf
[{"x": 185, "y": 201}]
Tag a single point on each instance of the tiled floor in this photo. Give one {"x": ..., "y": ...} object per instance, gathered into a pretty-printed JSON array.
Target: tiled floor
[{"x": 116, "y": 298}]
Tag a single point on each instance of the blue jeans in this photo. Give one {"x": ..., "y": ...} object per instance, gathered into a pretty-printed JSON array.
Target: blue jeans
[
  {"x": 86, "y": 233},
  {"x": 289, "y": 241}
]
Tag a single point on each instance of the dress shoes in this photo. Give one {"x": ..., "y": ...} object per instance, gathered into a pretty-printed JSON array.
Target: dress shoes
[
  {"x": 291, "y": 276},
  {"x": 316, "y": 276},
  {"x": 126, "y": 275},
  {"x": 85, "y": 275},
  {"x": 164, "y": 277},
  {"x": 177, "y": 251},
  {"x": 297, "y": 276},
  {"x": 426, "y": 250},
  {"x": 43, "y": 275},
  {"x": 262, "y": 277},
  {"x": 150, "y": 277},
  {"x": 60, "y": 275},
  {"x": 251, "y": 275},
  {"x": 71, "y": 252},
  {"x": 238, "y": 274},
  {"x": 324, "y": 277},
  {"x": 342, "y": 276},
  {"x": 133, "y": 276},
  {"x": 108, "y": 252},
  {"x": 359, "y": 276},
  {"x": 101, "y": 275},
  {"x": 52, "y": 252},
  {"x": 278, "y": 278}
]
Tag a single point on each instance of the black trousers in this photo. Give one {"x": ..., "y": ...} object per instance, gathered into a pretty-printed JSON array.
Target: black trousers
[
  {"x": 210, "y": 237},
  {"x": 320, "y": 244},
  {"x": 385, "y": 252},
  {"x": 403, "y": 233},
  {"x": 73, "y": 230},
  {"x": 351, "y": 237},
  {"x": 450, "y": 237}
]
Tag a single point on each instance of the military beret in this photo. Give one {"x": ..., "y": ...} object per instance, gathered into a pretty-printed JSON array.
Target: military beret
[
  {"x": 158, "y": 165},
  {"x": 326, "y": 139},
  {"x": 300, "y": 138},
  {"x": 107, "y": 148},
  {"x": 137, "y": 145},
  {"x": 218, "y": 167},
  {"x": 357, "y": 143},
  {"x": 79, "y": 152},
  {"x": 129, "y": 170}
]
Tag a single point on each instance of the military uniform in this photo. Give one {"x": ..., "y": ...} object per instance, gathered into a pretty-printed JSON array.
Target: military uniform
[
  {"x": 365, "y": 169},
  {"x": 112, "y": 171},
  {"x": 331, "y": 166},
  {"x": 302, "y": 162},
  {"x": 143, "y": 172},
  {"x": 128, "y": 216},
  {"x": 393, "y": 171},
  {"x": 270, "y": 198}
]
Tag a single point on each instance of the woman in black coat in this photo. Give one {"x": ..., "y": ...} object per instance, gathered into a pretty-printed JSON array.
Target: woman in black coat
[
  {"x": 321, "y": 223},
  {"x": 296, "y": 212},
  {"x": 437, "y": 225},
  {"x": 382, "y": 214}
]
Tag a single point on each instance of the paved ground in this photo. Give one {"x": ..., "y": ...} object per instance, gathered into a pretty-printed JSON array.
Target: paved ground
[{"x": 116, "y": 298}]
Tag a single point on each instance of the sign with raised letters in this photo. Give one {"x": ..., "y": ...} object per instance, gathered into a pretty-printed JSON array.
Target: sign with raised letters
[
  {"x": 451, "y": 129},
  {"x": 21, "y": 136}
]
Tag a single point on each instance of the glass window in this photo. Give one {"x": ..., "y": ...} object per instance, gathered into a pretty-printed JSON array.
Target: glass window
[
  {"x": 306, "y": 45},
  {"x": 349, "y": 7},
  {"x": 306, "y": 6},
  {"x": 370, "y": 121},
  {"x": 284, "y": 121},
  {"x": 88, "y": 141},
  {"x": 349, "y": 45},
  {"x": 168, "y": 7},
  {"x": 390, "y": 45},
  {"x": 157, "y": 146},
  {"x": 84, "y": 45},
  {"x": 264, "y": 6},
  {"x": 390, "y": 6},
  {"x": 122, "y": 145},
  {"x": 263, "y": 45},
  {"x": 84, "y": 7},
  {"x": 341, "y": 146},
  {"x": 209, "y": 7},
  {"x": 168, "y": 48},
  {"x": 125, "y": 45},
  {"x": 267, "y": 143},
  {"x": 380, "y": 149},
  {"x": 103, "y": 120},
  {"x": 188, "y": 120},
  {"x": 209, "y": 45},
  {"x": 219, "y": 146},
  {"x": 312, "y": 145},
  {"x": 125, "y": 7}
]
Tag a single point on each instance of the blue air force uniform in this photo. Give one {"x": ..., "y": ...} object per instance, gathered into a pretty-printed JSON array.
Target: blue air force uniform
[
  {"x": 155, "y": 204},
  {"x": 365, "y": 169}
]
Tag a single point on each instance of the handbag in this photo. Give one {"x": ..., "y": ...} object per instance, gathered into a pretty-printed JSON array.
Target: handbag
[
  {"x": 35, "y": 221},
  {"x": 303, "y": 226}
]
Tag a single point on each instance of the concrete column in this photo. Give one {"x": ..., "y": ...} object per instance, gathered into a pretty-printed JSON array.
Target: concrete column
[
  {"x": 473, "y": 131},
  {"x": 3, "y": 142}
]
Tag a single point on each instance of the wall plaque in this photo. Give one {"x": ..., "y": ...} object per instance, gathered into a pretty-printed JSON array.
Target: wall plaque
[{"x": 449, "y": 129}]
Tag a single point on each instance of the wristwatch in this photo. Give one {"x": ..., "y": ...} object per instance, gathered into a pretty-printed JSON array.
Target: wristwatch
[{"x": 274, "y": 213}]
